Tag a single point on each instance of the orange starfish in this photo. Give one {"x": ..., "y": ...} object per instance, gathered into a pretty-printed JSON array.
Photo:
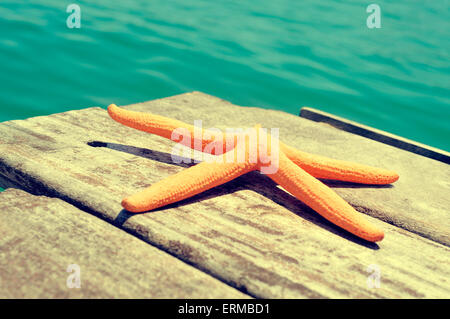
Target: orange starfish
[{"x": 295, "y": 171}]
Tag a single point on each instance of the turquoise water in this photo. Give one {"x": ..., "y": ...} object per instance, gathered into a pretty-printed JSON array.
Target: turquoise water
[{"x": 280, "y": 54}]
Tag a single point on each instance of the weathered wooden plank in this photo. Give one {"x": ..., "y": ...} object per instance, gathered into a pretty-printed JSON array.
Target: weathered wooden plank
[
  {"x": 249, "y": 232},
  {"x": 42, "y": 236},
  {"x": 375, "y": 134}
]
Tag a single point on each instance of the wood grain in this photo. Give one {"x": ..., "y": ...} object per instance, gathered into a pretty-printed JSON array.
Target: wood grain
[
  {"x": 42, "y": 236},
  {"x": 249, "y": 233}
]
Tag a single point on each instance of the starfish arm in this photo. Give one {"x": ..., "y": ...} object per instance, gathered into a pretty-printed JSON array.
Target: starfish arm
[
  {"x": 328, "y": 168},
  {"x": 164, "y": 127},
  {"x": 184, "y": 184},
  {"x": 323, "y": 200}
]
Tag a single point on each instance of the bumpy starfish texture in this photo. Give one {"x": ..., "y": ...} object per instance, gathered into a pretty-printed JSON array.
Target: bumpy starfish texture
[{"x": 296, "y": 171}]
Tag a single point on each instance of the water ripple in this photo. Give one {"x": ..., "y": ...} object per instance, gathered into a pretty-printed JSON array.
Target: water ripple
[{"x": 275, "y": 54}]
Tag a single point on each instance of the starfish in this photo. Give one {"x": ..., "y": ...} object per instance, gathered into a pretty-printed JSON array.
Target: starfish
[{"x": 296, "y": 171}]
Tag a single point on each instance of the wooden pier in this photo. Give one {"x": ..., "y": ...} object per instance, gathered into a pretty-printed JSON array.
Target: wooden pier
[{"x": 246, "y": 239}]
